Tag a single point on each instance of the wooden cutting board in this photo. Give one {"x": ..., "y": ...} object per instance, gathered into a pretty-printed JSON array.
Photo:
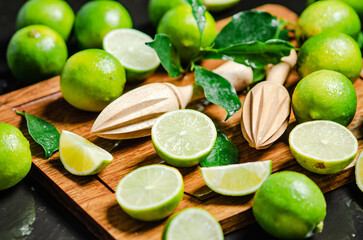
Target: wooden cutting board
[{"x": 92, "y": 198}]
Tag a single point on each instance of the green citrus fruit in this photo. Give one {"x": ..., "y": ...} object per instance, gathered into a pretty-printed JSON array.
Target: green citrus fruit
[
  {"x": 15, "y": 156},
  {"x": 36, "y": 53},
  {"x": 323, "y": 147},
  {"x": 359, "y": 171},
  {"x": 289, "y": 205},
  {"x": 95, "y": 19},
  {"x": 327, "y": 16},
  {"x": 182, "y": 28},
  {"x": 219, "y": 5},
  {"x": 333, "y": 51},
  {"x": 357, "y": 5},
  {"x": 151, "y": 192},
  {"x": 325, "y": 95},
  {"x": 55, "y": 14},
  {"x": 157, "y": 8},
  {"x": 91, "y": 79}
]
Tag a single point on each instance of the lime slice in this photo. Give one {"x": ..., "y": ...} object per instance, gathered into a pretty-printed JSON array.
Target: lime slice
[
  {"x": 193, "y": 224},
  {"x": 128, "y": 46},
  {"x": 236, "y": 179},
  {"x": 323, "y": 146},
  {"x": 183, "y": 138},
  {"x": 359, "y": 171},
  {"x": 219, "y": 5},
  {"x": 81, "y": 157},
  {"x": 150, "y": 193}
]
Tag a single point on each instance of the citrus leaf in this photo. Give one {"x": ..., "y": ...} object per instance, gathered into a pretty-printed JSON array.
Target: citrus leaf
[
  {"x": 44, "y": 133},
  {"x": 224, "y": 152},
  {"x": 198, "y": 10},
  {"x": 218, "y": 90},
  {"x": 249, "y": 26},
  {"x": 167, "y": 54},
  {"x": 253, "y": 54}
]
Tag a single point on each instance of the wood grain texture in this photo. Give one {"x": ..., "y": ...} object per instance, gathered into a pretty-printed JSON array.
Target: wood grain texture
[{"x": 92, "y": 198}]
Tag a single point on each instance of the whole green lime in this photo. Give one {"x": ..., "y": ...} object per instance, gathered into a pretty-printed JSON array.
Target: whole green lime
[
  {"x": 15, "y": 156},
  {"x": 289, "y": 205},
  {"x": 357, "y": 5},
  {"x": 182, "y": 28},
  {"x": 157, "y": 8},
  {"x": 95, "y": 19},
  {"x": 36, "y": 53},
  {"x": 55, "y": 14},
  {"x": 327, "y": 16},
  {"x": 325, "y": 95},
  {"x": 333, "y": 51},
  {"x": 91, "y": 79}
]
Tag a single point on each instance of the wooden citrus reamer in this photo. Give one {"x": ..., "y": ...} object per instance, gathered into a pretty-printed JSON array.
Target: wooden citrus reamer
[{"x": 266, "y": 109}]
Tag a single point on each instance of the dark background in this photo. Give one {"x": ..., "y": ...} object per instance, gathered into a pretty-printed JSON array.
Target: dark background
[{"x": 27, "y": 211}]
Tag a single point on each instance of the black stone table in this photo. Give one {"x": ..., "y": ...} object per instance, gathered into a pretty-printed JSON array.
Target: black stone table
[{"x": 27, "y": 211}]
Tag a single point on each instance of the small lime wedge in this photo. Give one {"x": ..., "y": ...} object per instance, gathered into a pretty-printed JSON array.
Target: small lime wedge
[
  {"x": 128, "y": 46},
  {"x": 193, "y": 224},
  {"x": 81, "y": 157},
  {"x": 236, "y": 179},
  {"x": 323, "y": 146},
  {"x": 150, "y": 193},
  {"x": 359, "y": 171},
  {"x": 219, "y": 5},
  {"x": 183, "y": 138}
]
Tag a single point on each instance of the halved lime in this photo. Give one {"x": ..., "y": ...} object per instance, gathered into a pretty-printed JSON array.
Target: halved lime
[
  {"x": 81, "y": 157},
  {"x": 323, "y": 146},
  {"x": 128, "y": 46},
  {"x": 193, "y": 224},
  {"x": 219, "y": 5},
  {"x": 359, "y": 171},
  {"x": 183, "y": 138},
  {"x": 151, "y": 192},
  {"x": 236, "y": 179}
]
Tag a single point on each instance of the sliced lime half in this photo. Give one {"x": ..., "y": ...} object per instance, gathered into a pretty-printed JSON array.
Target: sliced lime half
[
  {"x": 128, "y": 46},
  {"x": 193, "y": 224},
  {"x": 323, "y": 146},
  {"x": 236, "y": 179},
  {"x": 359, "y": 171},
  {"x": 183, "y": 138},
  {"x": 150, "y": 193},
  {"x": 81, "y": 157}
]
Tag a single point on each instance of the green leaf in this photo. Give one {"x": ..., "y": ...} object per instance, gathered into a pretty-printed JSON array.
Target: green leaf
[
  {"x": 43, "y": 132},
  {"x": 167, "y": 54},
  {"x": 224, "y": 152},
  {"x": 254, "y": 54},
  {"x": 218, "y": 90},
  {"x": 249, "y": 26},
  {"x": 198, "y": 10}
]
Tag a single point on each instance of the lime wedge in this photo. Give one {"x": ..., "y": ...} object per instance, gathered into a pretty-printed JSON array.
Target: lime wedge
[
  {"x": 219, "y": 5},
  {"x": 236, "y": 179},
  {"x": 183, "y": 138},
  {"x": 128, "y": 46},
  {"x": 323, "y": 146},
  {"x": 150, "y": 193},
  {"x": 193, "y": 224},
  {"x": 81, "y": 157},
  {"x": 359, "y": 171}
]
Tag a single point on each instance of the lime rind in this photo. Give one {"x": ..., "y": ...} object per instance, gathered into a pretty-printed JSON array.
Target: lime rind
[
  {"x": 99, "y": 157},
  {"x": 359, "y": 171},
  {"x": 183, "y": 138},
  {"x": 237, "y": 177},
  {"x": 193, "y": 223},
  {"x": 154, "y": 211},
  {"x": 318, "y": 163},
  {"x": 128, "y": 46}
]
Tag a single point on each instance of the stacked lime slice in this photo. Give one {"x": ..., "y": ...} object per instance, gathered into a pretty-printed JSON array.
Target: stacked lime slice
[
  {"x": 183, "y": 138},
  {"x": 150, "y": 193},
  {"x": 236, "y": 179},
  {"x": 81, "y": 157},
  {"x": 193, "y": 224},
  {"x": 128, "y": 46}
]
